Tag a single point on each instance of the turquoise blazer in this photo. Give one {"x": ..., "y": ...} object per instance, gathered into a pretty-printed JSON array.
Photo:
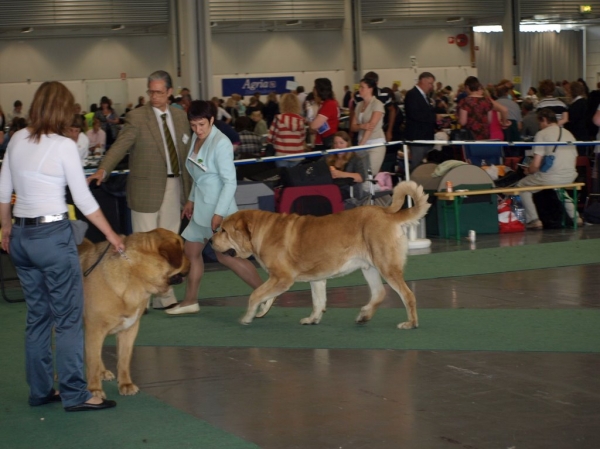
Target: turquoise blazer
[{"x": 213, "y": 190}]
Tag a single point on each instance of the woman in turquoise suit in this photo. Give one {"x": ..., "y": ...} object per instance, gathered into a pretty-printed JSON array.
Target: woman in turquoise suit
[{"x": 210, "y": 164}]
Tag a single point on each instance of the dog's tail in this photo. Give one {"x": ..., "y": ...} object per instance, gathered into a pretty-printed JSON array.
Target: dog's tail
[{"x": 420, "y": 204}]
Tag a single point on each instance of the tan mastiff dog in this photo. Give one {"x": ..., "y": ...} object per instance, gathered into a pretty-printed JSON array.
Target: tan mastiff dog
[
  {"x": 116, "y": 293},
  {"x": 313, "y": 249}
]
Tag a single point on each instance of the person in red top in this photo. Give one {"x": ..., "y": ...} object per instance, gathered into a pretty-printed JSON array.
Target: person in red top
[
  {"x": 325, "y": 124},
  {"x": 287, "y": 132},
  {"x": 475, "y": 111}
]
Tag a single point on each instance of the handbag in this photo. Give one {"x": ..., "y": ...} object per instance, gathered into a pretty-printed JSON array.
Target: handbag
[
  {"x": 549, "y": 159},
  {"x": 310, "y": 174}
]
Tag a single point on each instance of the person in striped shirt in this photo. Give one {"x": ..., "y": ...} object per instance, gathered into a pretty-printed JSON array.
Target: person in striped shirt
[{"x": 287, "y": 133}]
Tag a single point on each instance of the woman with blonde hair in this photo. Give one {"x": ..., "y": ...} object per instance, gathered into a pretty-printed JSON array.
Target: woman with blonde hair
[
  {"x": 38, "y": 164},
  {"x": 287, "y": 132}
]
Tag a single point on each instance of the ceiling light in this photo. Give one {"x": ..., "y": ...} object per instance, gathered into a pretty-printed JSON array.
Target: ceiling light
[
  {"x": 293, "y": 22},
  {"x": 26, "y": 30},
  {"x": 376, "y": 21},
  {"x": 454, "y": 19},
  {"x": 488, "y": 29},
  {"x": 117, "y": 27}
]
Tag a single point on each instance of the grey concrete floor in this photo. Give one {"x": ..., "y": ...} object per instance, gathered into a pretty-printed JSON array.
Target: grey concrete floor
[{"x": 302, "y": 398}]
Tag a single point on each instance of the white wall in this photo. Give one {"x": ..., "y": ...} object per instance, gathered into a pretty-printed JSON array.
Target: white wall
[
  {"x": 309, "y": 55},
  {"x": 592, "y": 75},
  {"x": 25, "y": 64}
]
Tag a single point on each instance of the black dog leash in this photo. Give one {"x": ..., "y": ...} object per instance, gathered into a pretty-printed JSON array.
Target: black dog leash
[{"x": 90, "y": 269}]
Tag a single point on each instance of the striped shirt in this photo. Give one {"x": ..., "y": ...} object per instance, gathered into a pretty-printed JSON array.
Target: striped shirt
[
  {"x": 287, "y": 134},
  {"x": 553, "y": 103}
]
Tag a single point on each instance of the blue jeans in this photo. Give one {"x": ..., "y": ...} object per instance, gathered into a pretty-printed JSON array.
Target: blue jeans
[{"x": 46, "y": 260}]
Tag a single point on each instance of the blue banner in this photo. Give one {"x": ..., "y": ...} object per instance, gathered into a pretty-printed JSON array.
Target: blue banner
[{"x": 249, "y": 86}]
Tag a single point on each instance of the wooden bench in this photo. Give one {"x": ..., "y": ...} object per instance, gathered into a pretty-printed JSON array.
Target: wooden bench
[{"x": 455, "y": 198}]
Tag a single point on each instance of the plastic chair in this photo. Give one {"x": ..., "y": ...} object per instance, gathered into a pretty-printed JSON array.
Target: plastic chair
[{"x": 311, "y": 200}]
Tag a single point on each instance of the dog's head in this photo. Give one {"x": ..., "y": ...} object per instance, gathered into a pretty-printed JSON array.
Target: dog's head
[
  {"x": 170, "y": 247},
  {"x": 235, "y": 236}
]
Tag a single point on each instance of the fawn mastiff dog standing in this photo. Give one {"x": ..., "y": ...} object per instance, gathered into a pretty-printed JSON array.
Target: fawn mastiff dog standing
[
  {"x": 116, "y": 293},
  {"x": 313, "y": 249}
]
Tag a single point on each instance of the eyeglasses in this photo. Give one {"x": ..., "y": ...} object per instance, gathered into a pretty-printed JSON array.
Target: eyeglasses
[{"x": 158, "y": 93}]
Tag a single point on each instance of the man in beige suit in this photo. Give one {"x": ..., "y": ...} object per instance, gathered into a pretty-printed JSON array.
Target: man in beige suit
[{"x": 157, "y": 138}]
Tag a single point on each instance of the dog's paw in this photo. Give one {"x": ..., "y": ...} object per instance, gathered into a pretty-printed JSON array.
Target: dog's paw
[
  {"x": 107, "y": 375},
  {"x": 246, "y": 320},
  {"x": 128, "y": 389},
  {"x": 363, "y": 317},
  {"x": 310, "y": 320},
  {"x": 98, "y": 393},
  {"x": 408, "y": 325},
  {"x": 264, "y": 308}
]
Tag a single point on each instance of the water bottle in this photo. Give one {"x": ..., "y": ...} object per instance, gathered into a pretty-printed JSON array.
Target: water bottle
[{"x": 518, "y": 208}]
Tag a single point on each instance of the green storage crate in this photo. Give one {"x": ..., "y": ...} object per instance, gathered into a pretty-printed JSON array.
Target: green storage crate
[{"x": 478, "y": 213}]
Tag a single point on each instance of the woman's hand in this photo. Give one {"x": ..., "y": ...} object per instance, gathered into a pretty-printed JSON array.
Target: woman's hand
[
  {"x": 335, "y": 173},
  {"x": 6, "y": 238},
  {"x": 116, "y": 241},
  {"x": 188, "y": 210},
  {"x": 216, "y": 221}
]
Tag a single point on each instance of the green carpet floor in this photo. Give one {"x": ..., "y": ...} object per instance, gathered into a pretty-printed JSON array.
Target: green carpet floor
[
  {"x": 558, "y": 330},
  {"x": 139, "y": 421},
  {"x": 439, "y": 265},
  {"x": 142, "y": 421}
]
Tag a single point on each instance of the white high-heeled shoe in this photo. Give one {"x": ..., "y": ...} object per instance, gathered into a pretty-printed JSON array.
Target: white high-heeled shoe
[{"x": 183, "y": 310}]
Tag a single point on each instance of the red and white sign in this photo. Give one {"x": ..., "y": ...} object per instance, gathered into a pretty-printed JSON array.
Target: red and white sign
[{"x": 451, "y": 39}]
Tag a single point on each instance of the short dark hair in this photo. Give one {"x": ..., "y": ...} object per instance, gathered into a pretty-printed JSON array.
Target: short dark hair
[
  {"x": 372, "y": 76},
  {"x": 244, "y": 123},
  {"x": 426, "y": 75},
  {"x": 200, "y": 109},
  {"x": 324, "y": 88},
  {"x": 17, "y": 104},
  {"x": 548, "y": 114},
  {"x": 473, "y": 84},
  {"x": 527, "y": 105}
]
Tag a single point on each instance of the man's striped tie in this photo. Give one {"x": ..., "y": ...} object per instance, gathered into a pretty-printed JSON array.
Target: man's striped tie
[{"x": 171, "y": 146}]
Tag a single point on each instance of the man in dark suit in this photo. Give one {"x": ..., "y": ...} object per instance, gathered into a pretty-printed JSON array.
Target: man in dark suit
[
  {"x": 420, "y": 117},
  {"x": 157, "y": 137}
]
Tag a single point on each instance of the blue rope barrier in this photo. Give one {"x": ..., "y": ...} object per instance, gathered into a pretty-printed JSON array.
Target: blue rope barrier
[{"x": 494, "y": 143}]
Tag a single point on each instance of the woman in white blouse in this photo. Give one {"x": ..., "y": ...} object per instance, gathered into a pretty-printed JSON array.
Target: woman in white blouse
[
  {"x": 39, "y": 163},
  {"x": 368, "y": 121}
]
